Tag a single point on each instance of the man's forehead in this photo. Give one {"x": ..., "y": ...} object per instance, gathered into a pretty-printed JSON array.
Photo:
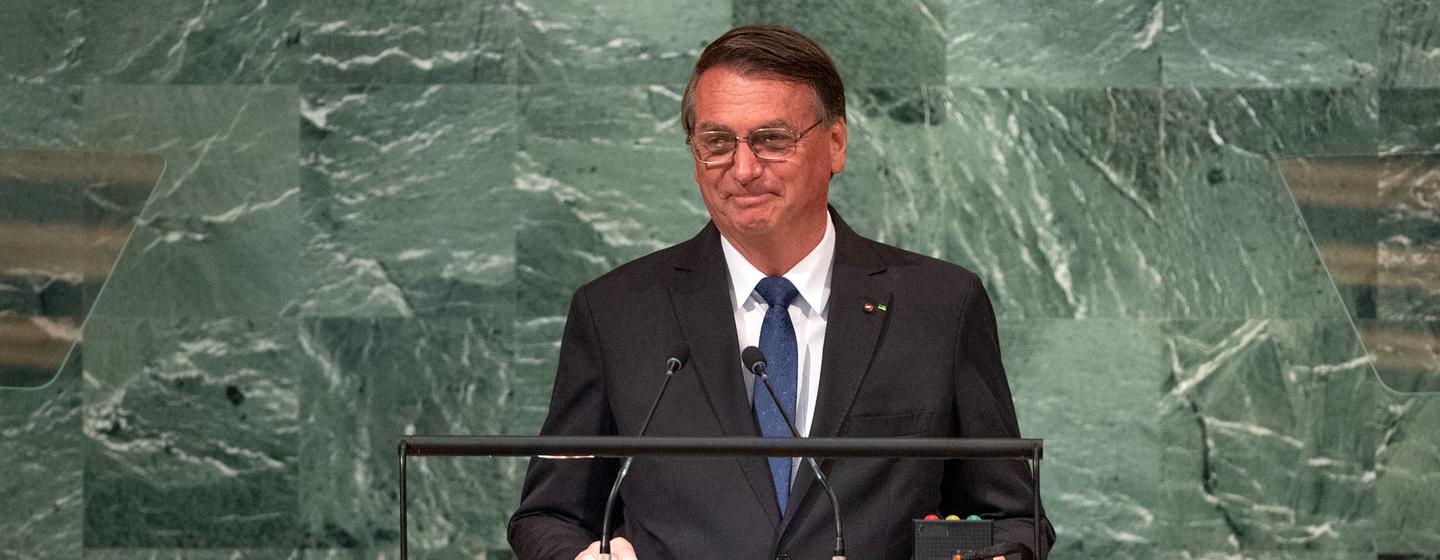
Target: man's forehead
[{"x": 772, "y": 97}]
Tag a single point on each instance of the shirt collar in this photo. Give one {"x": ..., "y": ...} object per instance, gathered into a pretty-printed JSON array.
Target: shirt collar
[{"x": 811, "y": 276}]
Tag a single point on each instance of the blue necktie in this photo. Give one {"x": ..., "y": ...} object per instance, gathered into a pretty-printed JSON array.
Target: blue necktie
[{"x": 777, "y": 341}]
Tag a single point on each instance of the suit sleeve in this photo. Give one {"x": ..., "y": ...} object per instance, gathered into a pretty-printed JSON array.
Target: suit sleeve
[
  {"x": 563, "y": 501},
  {"x": 999, "y": 490}
]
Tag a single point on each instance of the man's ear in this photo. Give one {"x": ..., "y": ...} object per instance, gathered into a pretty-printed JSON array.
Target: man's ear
[{"x": 839, "y": 141}]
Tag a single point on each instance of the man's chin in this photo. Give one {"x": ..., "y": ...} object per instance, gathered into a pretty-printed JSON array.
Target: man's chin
[{"x": 753, "y": 222}]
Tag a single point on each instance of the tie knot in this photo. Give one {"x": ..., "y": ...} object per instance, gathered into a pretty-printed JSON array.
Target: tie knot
[{"x": 776, "y": 291}]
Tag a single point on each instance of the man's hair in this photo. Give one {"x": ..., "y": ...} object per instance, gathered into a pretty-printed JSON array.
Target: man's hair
[{"x": 770, "y": 51}]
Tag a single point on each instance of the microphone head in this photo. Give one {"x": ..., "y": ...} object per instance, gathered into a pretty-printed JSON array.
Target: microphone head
[
  {"x": 679, "y": 356},
  {"x": 754, "y": 360}
]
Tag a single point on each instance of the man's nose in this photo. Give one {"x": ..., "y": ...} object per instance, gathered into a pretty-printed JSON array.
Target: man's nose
[{"x": 746, "y": 167}]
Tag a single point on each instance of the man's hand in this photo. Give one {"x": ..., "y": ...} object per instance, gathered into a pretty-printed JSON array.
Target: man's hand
[{"x": 620, "y": 549}]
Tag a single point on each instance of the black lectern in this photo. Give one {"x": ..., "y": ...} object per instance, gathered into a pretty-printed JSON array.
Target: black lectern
[{"x": 1031, "y": 450}]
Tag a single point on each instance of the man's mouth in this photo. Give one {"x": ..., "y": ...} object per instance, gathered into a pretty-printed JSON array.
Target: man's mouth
[{"x": 749, "y": 197}]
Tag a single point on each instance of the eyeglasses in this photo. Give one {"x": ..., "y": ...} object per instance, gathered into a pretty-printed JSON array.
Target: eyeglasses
[{"x": 769, "y": 144}]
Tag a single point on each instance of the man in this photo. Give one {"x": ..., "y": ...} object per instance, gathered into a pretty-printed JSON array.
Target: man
[{"x": 863, "y": 340}]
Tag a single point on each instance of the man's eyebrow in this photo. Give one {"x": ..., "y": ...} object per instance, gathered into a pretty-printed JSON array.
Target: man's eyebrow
[{"x": 773, "y": 123}]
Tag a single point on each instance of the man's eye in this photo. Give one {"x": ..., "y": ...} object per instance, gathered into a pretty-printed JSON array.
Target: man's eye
[
  {"x": 772, "y": 138},
  {"x": 716, "y": 142}
]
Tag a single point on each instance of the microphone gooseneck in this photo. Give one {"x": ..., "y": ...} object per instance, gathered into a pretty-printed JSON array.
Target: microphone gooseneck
[
  {"x": 679, "y": 355},
  {"x": 754, "y": 361}
]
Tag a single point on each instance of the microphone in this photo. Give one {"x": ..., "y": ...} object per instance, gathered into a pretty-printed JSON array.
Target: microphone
[
  {"x": 679, "y": 355},
  {"x": 754, "y": 361}
]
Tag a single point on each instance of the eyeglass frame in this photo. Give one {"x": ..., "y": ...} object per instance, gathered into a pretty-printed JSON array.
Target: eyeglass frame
[{"x": 746, "y": 140}]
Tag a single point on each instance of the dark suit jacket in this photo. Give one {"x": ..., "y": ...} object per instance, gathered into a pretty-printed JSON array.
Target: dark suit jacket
[{"x": 928, "y": 365}]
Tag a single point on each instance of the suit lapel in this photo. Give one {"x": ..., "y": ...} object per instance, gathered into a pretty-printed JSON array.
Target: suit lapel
[
  {"x": 851, "y": 334},
  {"x": 700, "y": 293}
]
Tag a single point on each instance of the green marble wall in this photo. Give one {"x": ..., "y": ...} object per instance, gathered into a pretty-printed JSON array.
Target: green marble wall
[{"x": 1211, "y": 231}]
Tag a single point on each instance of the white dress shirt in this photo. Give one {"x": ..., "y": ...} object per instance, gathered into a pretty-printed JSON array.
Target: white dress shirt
[{"x": 811, "y": 277}]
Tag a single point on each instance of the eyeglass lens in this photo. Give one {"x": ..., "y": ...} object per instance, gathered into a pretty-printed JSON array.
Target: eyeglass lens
[{"x": 767, "y": 143}]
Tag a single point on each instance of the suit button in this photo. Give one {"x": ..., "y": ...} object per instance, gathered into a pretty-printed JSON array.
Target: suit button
[{"x": 782, "y": 556}]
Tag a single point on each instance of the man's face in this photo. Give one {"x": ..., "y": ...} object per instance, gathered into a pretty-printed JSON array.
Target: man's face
[{"x": 751, "y": 196}]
